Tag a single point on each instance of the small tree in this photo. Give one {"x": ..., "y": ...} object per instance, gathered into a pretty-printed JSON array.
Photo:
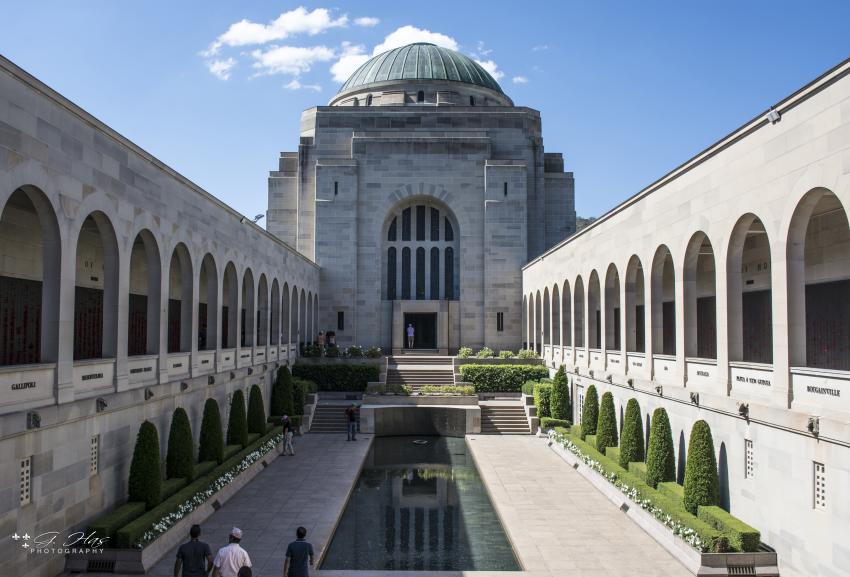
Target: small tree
[
  {"x": 180, "y": 460},
  {"x": 298, "y": 396},
  {"x": 145, "y": 482},
  {"x": 631, "y": 443},
  {"x": 256, "y": 411},
  {"x": 278, "y": 405},
  {"x": 589, "y": 412},
  {"x": 561, "y": 395},
  {"x": 212, "y": 439},
  {"x": 660, "y": 460},
  {"x": 543, "y": 399},
  {"x": 606, "y": 427},
  {"x": 237, "y": 426},
  {"x": 702, "y": 485}
]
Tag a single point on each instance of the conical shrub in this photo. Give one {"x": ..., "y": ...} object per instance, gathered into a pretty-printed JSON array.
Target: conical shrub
[
  {"x": 660, "y": 459},
  {"x": 606, "y": 427},
  {"x": 299, "y": 397},
  {"x": 561, "y": 396},
  {"x": 237, "y": 426},
  {"x": 631, "y": 443},
  {"x": 180, "y": 460},
  {"x": 281, "y": 404},
  {"x": 256, "y": 411},
  {"x": 145, "y": 482},
  {"x": 212, "y": 439},
  {"x": 702, "y": 484},
  {"x": 543, "y": 399},
  {"x": 589, "y": 412}
]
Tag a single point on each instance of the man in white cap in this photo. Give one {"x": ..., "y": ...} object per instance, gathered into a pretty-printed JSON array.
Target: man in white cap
[{"x": 232, "y": 557}]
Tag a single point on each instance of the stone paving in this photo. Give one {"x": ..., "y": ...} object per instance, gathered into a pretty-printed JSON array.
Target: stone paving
[
  {"x": 309, "y": 489},
  {"x": 560, "y": 525}
]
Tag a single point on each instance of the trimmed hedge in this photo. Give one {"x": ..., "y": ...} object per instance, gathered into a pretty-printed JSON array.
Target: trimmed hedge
[
  {"x": 660, "y": 460},
  {"x": 256, "y": 411},
  {"x": 589, "y": 412},
  {"x": 180, "y": 459},
  {"x": 338, "y": 377},
  {"x": 672, "y": 490},
  {"x": 145, "y": 482},
  {"x": 128, "y": 535},
  {"x": 212, "y": 439},
  {"x": 638, "y": 469},
  {"x": 550, "y": 423},
  {"x": 715, "y": 539},
  {"x": 606, "y": 427},
  {"x": 281, "y": 403},
  {"x": 231, "y": 450},
  {"x": 108, "y": 525},
  {"x": 702, "y": 484},
  {"x": 204, "y": 467},
  {"x": 543, "y": 399},
  {"x": 561, "y": 395},
  {"x": 299, "y": 396},
  {"x": 631, "y": 442},
  {"x": 742, "y": 537},
  {"x": 501, "y": 378},
  {"x": 613, "y": 453},
  {"x": 528, "y": 388},
  {"x": 237, "y": 426},
  {"x": 171, "y": 486}
]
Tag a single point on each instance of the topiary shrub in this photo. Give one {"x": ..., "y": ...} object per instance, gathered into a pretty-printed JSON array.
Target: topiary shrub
[
  {"x": 543, "y": 399},
  {"x": 606, "y": 426},
  {"x": 589, "y": 412},
  {"x": 237, "y": 426},
  {"x": 278, "y": 404},
  {"x": 256, "y": 411},
  {"x": 506, "y": 354},
  {"x": 180, "y": 459},
  {"x": 485, "y": 353},
  {"x": 212, "y": 439},
  {"x": 298, "y": 396},
  {"x": 561, "y": 395},
  {"x": 374, "y": 353},
  {"x": 702, "y": 485},
  {"x": 660, "y": 459},
  {"x": 145, "y": 482},
  {"x": 631, "y": 443},
  {"x": 526, "y": 354},
  {"x": 354, "y": 352},
  {"x": 547, "y": 423},
  {"x": 332, "y": 352},
  {"x": 464, "y": 352}
]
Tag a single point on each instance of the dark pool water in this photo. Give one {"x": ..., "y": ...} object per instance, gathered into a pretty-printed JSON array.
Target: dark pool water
[{"x": 420, "y": 507}]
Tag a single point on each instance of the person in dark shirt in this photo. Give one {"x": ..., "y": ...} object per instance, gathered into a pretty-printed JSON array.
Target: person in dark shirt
[
  {"x": 351, "y": 421},
  {"x": 297, "y": 555},
  {"x": 194, "y": 557}
]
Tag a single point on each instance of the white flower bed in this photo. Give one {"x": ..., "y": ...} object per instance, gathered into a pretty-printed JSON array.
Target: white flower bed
[
  {"x": 686, "y": 533},
  {"x": 166, "y": 522}
]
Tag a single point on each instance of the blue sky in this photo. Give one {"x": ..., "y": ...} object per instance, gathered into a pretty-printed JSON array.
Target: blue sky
[{"x": 627, "y": 90}]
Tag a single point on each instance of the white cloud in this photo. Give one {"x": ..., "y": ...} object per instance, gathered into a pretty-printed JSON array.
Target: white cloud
[
  {"x": 482, "y": 49},
  {"x": 492, "y": 68},
  {"x": 352, "y": 57},
  {"x": 221, "y": 68},
  {"x": 297, "y": 21},
  {"x": 519, "y": 80},
  {"x": 292, "y": 60},
  {"x": 295, "y": 85},
  {"x": 366, "y": 21},
  {"x": 410, "y": 34},
  {"x": 540, "y": 47}
]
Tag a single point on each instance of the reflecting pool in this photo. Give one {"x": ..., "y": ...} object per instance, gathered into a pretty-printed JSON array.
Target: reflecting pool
[{"x": 420, "y": 504}]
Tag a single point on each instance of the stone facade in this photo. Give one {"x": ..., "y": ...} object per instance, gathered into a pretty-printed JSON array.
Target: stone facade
[
  {"x": 719, "y": 293},
  {"x": 92, "y": 226}
]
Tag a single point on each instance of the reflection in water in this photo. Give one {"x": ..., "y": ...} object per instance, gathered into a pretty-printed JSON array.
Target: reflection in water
[{"x": 420, "y": 507}]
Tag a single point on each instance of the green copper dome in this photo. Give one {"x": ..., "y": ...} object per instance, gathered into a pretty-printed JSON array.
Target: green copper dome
[{"x": 420, "y": 61}]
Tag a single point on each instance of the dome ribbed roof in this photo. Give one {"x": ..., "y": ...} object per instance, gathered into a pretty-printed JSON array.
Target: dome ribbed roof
[{"x": 420, "y": 61}]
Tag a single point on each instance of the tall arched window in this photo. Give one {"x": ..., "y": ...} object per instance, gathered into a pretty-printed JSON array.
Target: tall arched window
[
  {"x": 391, "y": 268},
  {"x": 405, "y": 273},
  {"x": 450, "y": 274},
  {"x": 391, "y": 234},
  {"x": 420, "y": 274},
  {"x": 435, "y": 273},
  {"x": 369, "y": 100},
  {"x": 449, "y": 232},
  {"x": 420, "y": 96}
]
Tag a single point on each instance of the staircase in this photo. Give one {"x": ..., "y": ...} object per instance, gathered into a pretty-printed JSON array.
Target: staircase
[
  {"x": 417, "y": 370},
  {"x": 330, "y": 419},
  {"x": 503, "y": 418}
]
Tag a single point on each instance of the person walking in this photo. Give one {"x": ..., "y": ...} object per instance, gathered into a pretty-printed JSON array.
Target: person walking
[
  {"x": 287, "y": 437},
  {"x": 232, "y": 557},
  {"x": 298, "y": 554},
  {"x": 351, "y": 417},
  {"x": 410, "y": 333},
  {"x": 194, "y": 556}
]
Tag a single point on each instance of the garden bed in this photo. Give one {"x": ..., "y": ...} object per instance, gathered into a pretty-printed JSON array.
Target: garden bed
[{"x": 698, "y": 545}]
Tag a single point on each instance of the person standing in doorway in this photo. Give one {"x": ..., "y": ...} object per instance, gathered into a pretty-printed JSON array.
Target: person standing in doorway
[
  {"x": 194, "y": 556},
  {"x": 410, "y": 333},
  {"x": 320, "y": 340},
  {"x": 232, "y": 557},
  {"x": 351, "y": 418},
  {"x": 298, "y": 554}
]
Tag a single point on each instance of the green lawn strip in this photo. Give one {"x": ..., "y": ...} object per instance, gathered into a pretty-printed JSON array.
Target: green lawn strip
[
  {"x": 742, "y": 537},
  {"x": 696, "y": 532},
  {"x": 131, "y": 533}
]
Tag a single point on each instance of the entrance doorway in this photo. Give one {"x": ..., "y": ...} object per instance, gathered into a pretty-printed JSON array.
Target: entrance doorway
[{"x": 424, "y": 330}]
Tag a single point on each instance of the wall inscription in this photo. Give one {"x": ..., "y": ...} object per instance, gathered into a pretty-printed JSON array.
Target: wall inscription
[
  {"x": 752, "y": 380},
  {"x": 22, "y": 386}
]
